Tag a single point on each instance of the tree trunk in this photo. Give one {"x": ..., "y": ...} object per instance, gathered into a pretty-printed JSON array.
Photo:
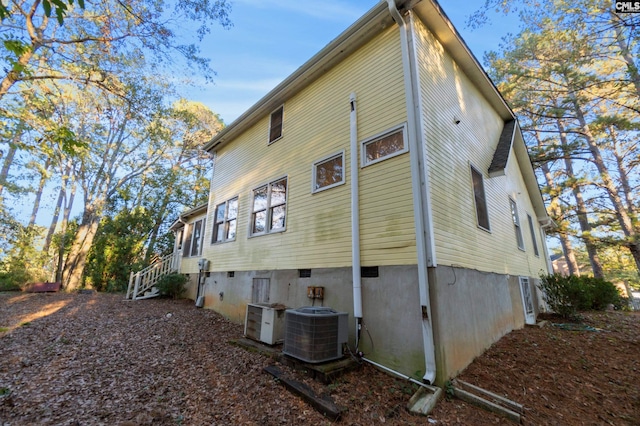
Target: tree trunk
[
  {"x": 581, "y": 208},
  {"x": 8, "y": 160},
  {"x": 160, "y": 217},
  {"x": 622, "y": 171},
  {"x": 77, "y": 258},
  {"x": 632, "y": 241},
  {"x": 36, "y": 203},
  {"x": 35, "y": 39},
  {"x": 56, "y": 212},
  {"x": 63, "y": 228},
  {"x": 626, "y": 54},
  {"x": 556, "y": 213},
  {"x": 569, "y": 254}
]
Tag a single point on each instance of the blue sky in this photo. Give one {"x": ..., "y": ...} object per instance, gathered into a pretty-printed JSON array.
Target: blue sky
[{"x": 270, "y": 39}]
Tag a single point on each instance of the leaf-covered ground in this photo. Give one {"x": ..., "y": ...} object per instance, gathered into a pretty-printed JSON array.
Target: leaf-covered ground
[{"x": 92, "y": 359}]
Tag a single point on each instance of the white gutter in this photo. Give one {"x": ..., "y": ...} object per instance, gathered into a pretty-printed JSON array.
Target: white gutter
[
  {"x": 412, "y": 96},
  {"x": 355, "y": 218}
]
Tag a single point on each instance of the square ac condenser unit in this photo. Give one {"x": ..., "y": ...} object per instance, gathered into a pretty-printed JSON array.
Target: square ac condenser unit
[
  {"x": 315, "y": 334},
  {"x": 265, "y": 322}
]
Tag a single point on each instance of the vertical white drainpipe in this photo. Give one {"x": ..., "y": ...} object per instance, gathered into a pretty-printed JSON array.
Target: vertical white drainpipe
[
  {"x": 355, "y": 218},
  {"x": 411, "y": 91}
]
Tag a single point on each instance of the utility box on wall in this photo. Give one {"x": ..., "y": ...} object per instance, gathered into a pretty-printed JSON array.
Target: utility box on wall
[
  {"x": 315, "y": 293},
  {"x": 265, "y": 322},
  {"x": 203, "y": 264}
]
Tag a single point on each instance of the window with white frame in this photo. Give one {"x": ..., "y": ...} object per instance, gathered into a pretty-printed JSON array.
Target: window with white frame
[
  {"x": 480, "y": 200},
  {"x": 269, "y": 208},
  {"x": 328, "y": 172},
  {"x": 193, "y": 243},
  {"x": 180, "y": 238},
  {"x": 385, "y": 145},
  {"x": 533, "y": 235},
  {"x": 186, "y": 245},
  {"x": 225, "y": 221},
  {"x": 275, "y": 124},
  {"x": 516, "y": 223}
]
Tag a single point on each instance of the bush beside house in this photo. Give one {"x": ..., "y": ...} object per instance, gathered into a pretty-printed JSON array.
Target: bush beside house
[{"x": 567, "y": 295}]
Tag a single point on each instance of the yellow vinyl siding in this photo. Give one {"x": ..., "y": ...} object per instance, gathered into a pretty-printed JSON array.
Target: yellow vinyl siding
[
  {"x": 189, "y": 264},
  {"x": 386, "y": 219},
  {"x": 447, "y": 95},
  {"x": 316, "y": 124}
]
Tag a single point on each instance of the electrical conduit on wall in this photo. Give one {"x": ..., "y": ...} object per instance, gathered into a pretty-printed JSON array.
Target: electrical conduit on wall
[{"x": 355, "y": 218}]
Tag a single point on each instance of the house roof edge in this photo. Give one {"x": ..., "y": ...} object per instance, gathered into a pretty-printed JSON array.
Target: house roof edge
[{"x": 363, "y": 30}]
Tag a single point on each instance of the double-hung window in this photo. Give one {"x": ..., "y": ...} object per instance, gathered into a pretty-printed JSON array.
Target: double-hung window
[
  {"x": 226, "y": 220},
  {"x": 516, "y": 223},
  {"x": 269, "y": 208},
  {"x": 275, "y": 124},
  {"x": 533, "y": 235},
  {"x": 193, "y": 240},
  {"x": 180, "y": 239},
  {"x": 328, "y": 172},
  {"x": 480, "y": 200},
  {"x": 385, "y": 145}
]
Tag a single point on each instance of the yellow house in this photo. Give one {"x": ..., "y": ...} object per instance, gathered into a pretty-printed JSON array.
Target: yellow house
[{"x": 389, "y": 172}]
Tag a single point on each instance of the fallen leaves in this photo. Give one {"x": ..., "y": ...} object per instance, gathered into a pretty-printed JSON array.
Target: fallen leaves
[{"x": 96, "y": 359}]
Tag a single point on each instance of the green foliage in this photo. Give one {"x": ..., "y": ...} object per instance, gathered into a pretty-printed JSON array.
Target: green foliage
[
  {"x": 15, "y": 49},
  {"x": 449, "y": 392},
  {"x": 567, "y": 295},
  {"x": 24, "y": 263},
  {"x": 60, "y": 8},
  {"x": 172, "y": 285},
  {"x": 117, "y": 249},
  {"x": 66, "y": 139}
]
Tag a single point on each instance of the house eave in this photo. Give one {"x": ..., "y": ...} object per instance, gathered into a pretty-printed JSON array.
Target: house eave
[
  {"x": 185, "y": 215},
  {"x": 440, "y": 25},
  {"x": 503, "y": 148},
  {"x": 363, "y": 30}
]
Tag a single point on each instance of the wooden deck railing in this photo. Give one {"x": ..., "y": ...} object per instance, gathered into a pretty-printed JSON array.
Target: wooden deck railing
[{"x": 143, "y": 281}]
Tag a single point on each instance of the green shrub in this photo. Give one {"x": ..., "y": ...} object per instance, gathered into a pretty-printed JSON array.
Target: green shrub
[
  {"x": 603, "y": 293},
  {"x": 567, "y": 295},
  {"x": 13, "y": 281},
  {"x": 172, "y": 285}
]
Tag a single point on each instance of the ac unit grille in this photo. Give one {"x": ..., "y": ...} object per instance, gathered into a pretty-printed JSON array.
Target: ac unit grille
[
  {"x": 315, "y": 335},
  {"x": 253, "y": 326},
  {"x": 265, "y": 322}
]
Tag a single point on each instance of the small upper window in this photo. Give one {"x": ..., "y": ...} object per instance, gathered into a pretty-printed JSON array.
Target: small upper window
[
  {"x": 516, "y": 223},
  {"x": 275, "y": 124},
  {"x": 482, "y": 214},
  {"x": 328, "y": 172},
  {"x": 269, "y": 208},
  {"x": 226, "y": 218},
  {"x": 383, "y": 146}
]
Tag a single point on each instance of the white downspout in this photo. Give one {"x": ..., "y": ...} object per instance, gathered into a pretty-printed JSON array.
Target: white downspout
[
  {"x": 355, "y": 218},
  {"x": 413, "y": 125}
]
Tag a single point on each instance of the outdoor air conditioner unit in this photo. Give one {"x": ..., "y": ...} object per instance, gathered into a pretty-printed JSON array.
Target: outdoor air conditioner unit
[
  {"x": 265, "y": 322},
  {"x": 315, "y": 334}
]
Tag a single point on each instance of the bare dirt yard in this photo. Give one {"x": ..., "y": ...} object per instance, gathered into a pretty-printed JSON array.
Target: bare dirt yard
[{"x": 96, "y": 359}]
